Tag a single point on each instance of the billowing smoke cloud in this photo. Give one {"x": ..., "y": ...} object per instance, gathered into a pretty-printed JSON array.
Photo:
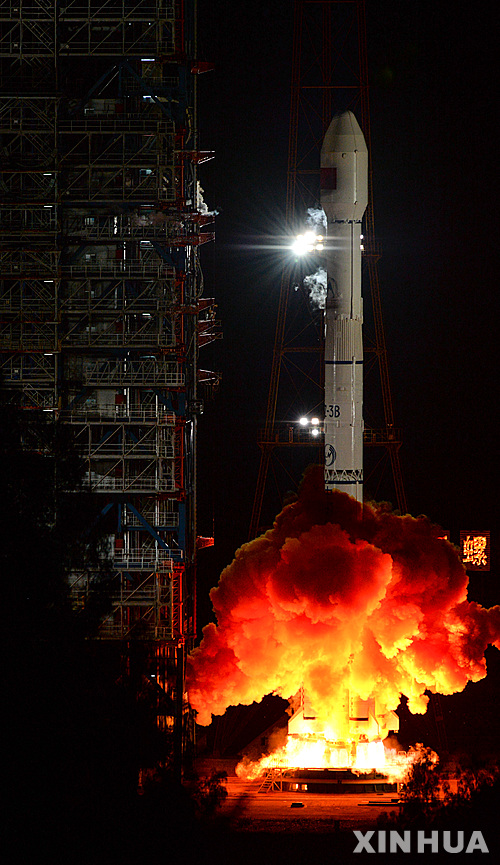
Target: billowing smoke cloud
[{"x": 335, "y": 596}]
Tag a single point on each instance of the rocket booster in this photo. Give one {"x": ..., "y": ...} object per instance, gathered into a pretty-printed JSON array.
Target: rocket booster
[{"x": 344, "y": 197}]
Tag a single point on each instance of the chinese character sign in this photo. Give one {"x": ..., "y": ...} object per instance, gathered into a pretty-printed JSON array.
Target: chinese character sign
[{"x": 475, "y": 550}]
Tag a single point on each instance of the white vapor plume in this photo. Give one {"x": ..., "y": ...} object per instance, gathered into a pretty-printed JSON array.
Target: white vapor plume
[
  {"x": 316, "y": 218},
  {"x": 201, "y": 205},
  {"x": 315, "y": 284}
]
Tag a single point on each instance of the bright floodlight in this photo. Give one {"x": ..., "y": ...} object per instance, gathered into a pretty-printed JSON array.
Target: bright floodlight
[
  {"x": 315, "y": 431},
  {"x": 303, "y": 421},
  {"x": 308, "y": 242},
  {"x": 315, "y": 421},
  {"x": 299, "y": 246}
]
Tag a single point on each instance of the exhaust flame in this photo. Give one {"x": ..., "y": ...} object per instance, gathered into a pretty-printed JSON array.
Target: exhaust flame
[
  {"x": 341, "y": 598},
  {"x": 316, "y": 753},
  {"x": 368, "y": 757}
]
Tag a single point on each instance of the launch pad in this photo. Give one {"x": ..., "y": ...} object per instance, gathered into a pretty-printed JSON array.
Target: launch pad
[
  {"x": 293, "y": 812},
  {"x": 326, "y": 781}
]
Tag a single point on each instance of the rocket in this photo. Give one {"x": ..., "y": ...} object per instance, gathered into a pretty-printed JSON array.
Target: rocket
[{"x": 344, "y": 197}]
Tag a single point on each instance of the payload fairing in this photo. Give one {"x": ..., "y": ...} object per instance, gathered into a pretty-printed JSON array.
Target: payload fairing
[{"x": 344, "y": 197}]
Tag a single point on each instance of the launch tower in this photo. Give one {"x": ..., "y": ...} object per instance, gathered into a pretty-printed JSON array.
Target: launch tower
[{"x": 102, "y": 316}]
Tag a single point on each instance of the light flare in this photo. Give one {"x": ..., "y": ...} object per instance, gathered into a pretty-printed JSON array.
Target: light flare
[{"x": 307, "y": 242}]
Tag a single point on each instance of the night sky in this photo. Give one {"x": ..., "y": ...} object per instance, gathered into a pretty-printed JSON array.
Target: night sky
[{"x": 434, "y": 154}]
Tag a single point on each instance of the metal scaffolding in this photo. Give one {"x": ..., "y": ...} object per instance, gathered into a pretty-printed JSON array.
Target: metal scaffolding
[{"x": 100, "y": 300}]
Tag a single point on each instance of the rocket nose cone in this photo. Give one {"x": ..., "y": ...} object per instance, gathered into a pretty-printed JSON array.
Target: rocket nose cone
[
  {"x": 344, "y": 134},
  {"x": 344, "y": 170}
]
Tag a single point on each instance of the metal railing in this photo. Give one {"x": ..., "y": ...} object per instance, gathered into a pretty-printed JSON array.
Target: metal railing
[
  {"x": 110, "y": 630},
  {"x": 106, "y": 338},
  {"x": 111, "y": 232},
  {"x": 114, "y": 9},
  {"x": 29, "y": 342},
  {"x": 146, "y": 562},
  {"x": 148, "y": 307},
  {"x": 135, "y": 372},
  {"x": 127, "y": 451},
  {"x": 168, "y": 520},
  {"x": 97, "y": 270},
  {"x": 117, "y": 123},
  {"x": 119, "y": 414},
  {"x": 136, "y": 484},
  {"x": 29, "y": 305}
]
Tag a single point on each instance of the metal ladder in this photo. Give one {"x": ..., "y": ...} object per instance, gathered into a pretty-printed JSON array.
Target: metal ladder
[{"x": 273, "y": 780}]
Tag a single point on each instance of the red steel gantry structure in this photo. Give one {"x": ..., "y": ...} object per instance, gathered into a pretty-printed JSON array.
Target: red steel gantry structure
[{"x": 329, "y": 74}]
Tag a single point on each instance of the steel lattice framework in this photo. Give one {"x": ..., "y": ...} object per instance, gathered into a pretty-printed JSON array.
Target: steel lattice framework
[
  {"x": 329, "y": 74},
  {"x": 101, "y": 313}
]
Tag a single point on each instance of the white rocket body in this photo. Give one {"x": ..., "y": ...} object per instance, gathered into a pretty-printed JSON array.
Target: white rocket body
[{"x": 344, "y": 197}]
